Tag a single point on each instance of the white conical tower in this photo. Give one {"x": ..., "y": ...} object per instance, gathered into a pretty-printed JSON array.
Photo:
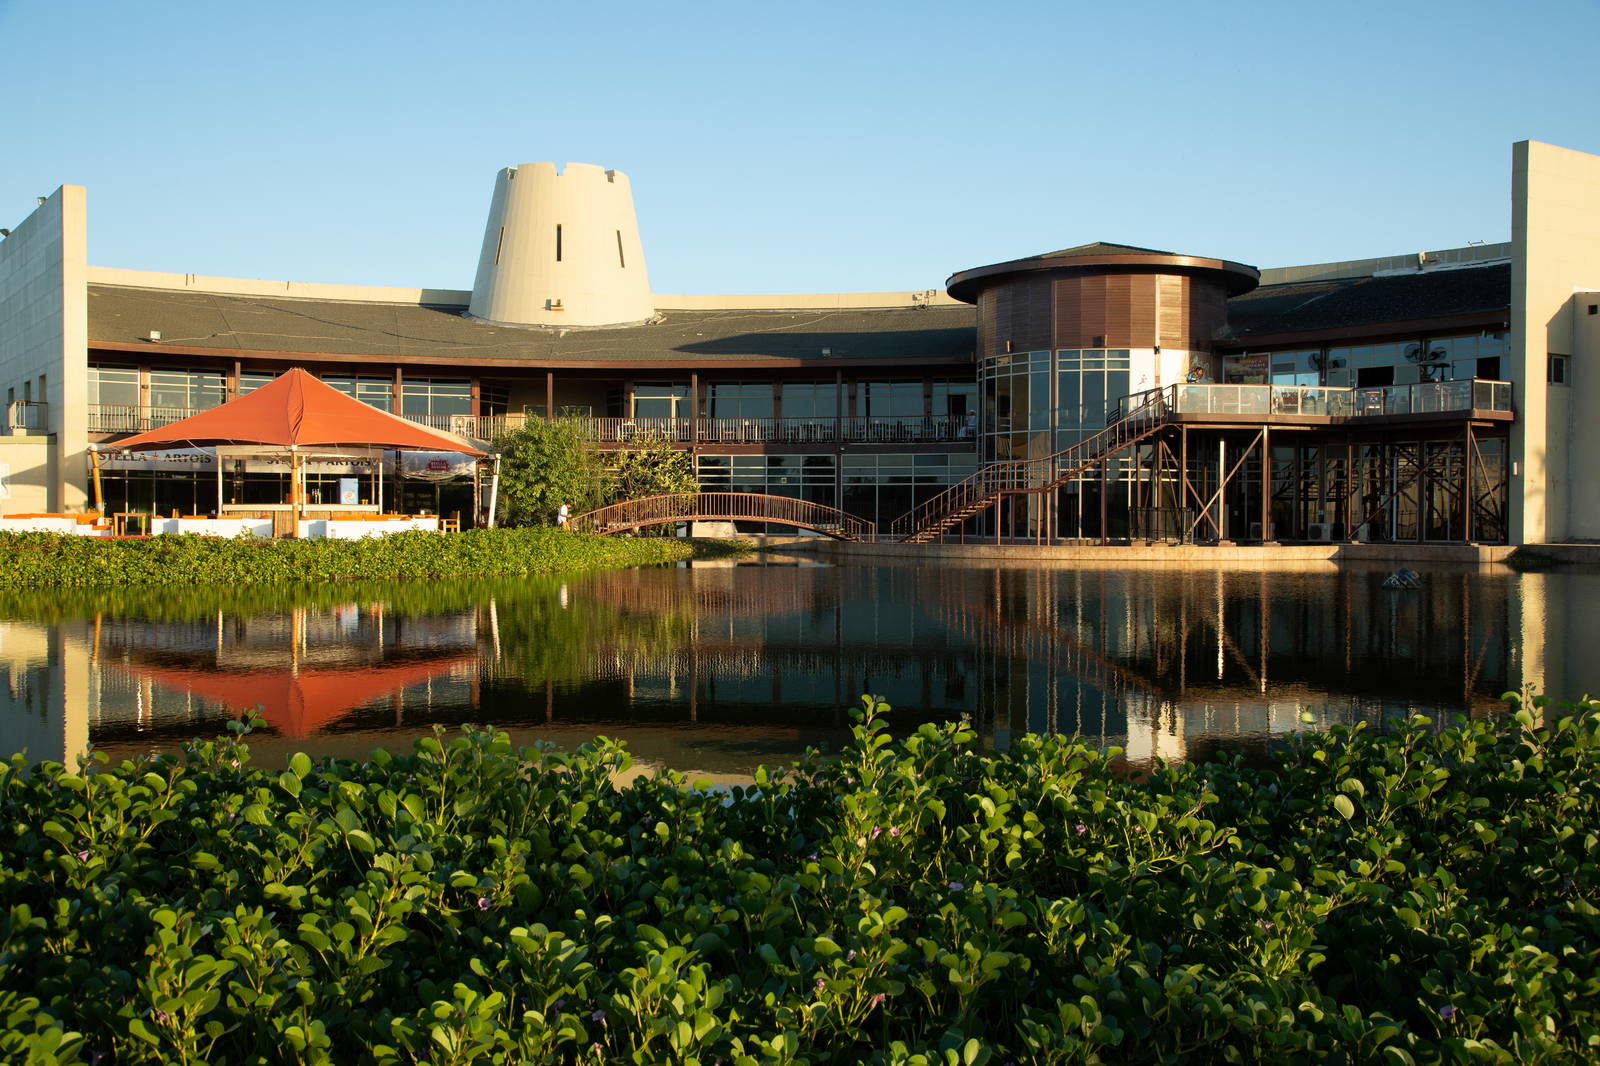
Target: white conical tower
[{"x": 561, "y": 249}]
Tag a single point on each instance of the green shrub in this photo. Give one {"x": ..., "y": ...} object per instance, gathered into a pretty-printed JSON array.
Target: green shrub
[
  {"x": 44, "y": 560},
  {"x": 1410, "y": 897}
]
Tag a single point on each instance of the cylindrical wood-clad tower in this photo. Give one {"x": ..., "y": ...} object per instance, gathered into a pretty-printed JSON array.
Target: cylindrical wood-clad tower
[
  {"x": 1102, "y": 296},
  {"x": 1063, "y": 337}
]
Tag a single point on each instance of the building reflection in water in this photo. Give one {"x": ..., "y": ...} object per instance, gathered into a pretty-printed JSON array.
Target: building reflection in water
[{"x": 718, "y": 668}]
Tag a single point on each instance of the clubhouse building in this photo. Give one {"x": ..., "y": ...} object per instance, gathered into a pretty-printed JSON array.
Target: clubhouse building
[{"x": 1098, "y": 393}]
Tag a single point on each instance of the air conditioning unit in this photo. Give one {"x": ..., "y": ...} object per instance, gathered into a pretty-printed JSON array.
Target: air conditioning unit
[{"x": 1320, "y": 531}]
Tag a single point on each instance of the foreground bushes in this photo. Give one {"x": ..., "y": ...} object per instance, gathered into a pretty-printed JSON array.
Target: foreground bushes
[
  {"x": 1414, "y": 897},
  {"x": 44, "y": 560}
]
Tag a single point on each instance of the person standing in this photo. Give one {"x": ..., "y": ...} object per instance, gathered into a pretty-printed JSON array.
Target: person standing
[{"x": 563, "y": 516}]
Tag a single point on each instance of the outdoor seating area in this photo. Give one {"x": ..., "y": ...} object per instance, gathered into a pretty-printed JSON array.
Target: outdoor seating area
[{"x": 301, "y": 419}]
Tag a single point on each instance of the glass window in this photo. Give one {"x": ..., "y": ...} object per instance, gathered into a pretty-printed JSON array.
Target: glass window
[
  {"x": 889, "y": 399},
  {"x": 1559, "y": 371},
  {"x": 251, "y": 380},
  {"x": 1296, "y": 368},
  {"x": 376, "y": 391},
  {"x": 114, "y": 385},
  {"x": 653, "y": 399},
  {"x": 434, "y": 396},
  {"x": 734, "y": 399},
  {"x": 196, "y": 390},
  {"x": 956, "y": 398},
  {"x": 810, "y": 399}
]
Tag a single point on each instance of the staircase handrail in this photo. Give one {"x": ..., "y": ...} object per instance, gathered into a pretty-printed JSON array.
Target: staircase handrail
[{"x": 1045, "y": 472}]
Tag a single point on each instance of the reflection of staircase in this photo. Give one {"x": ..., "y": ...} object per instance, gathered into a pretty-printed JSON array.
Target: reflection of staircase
[{"x": 1037, "y": 476}]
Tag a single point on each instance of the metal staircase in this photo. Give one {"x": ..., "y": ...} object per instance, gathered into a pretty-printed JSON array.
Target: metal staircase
[{"x": 985, "y": 487}]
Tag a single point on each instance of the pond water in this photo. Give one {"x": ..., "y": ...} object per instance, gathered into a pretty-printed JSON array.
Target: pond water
[{"x": 719, "y": 667}]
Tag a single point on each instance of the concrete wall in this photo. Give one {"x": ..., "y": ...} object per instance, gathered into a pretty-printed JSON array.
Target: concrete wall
[
  {"x": 1555, "y": 236},
  {"x": 561, "y": 248},
  {"x": 1583, "y": 418},
  {"x": 44, "y": 327},
  {"x": 29, "y": 475},
  {"x": 294, "y": 290}
]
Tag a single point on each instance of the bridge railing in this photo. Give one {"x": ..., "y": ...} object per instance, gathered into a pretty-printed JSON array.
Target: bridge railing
[{"x": 724, "y": 507}]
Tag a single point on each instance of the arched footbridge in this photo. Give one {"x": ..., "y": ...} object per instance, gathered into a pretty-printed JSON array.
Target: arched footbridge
[{"x": 723, "y": 507}]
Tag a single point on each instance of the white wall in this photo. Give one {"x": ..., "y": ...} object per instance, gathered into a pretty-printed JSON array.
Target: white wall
[
  {"x": 1583, "y": 417},
  {"x": 1555, "y": 236},
  {"x": 44, "y": 327}
]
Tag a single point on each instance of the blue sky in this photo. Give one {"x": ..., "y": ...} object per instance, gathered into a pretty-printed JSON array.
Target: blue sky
[{"x": 786, "y": 148}]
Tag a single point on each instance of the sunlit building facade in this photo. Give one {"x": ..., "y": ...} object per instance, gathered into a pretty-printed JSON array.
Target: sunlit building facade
[{"x": 1134, "y": 395}]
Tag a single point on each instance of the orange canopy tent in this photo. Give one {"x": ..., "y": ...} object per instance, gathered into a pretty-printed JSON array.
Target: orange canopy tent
[
  {"x": 295, "y": 412},
  {"x": 299, "y": 702}
]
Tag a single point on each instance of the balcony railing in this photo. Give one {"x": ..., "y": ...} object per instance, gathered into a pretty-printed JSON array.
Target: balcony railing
[
  {"x": 857, "y": 429},
  {"x": 26, "y": 416},
  {"x": 120, "y": 418},
  {"x": 1430, "y": 397}
]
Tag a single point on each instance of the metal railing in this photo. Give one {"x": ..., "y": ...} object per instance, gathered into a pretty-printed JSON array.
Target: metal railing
[
  {"x": 723, "y": 507},
  {"x": 28, "y": 416},
  {"x": 851, "y": 429},
  {"x": 984, "y": 487},
  {"x": 1330, "y": 401}
]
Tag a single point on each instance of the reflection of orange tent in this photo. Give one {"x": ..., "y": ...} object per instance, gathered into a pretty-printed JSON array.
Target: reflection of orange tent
[{"x": 297, "y": 703}]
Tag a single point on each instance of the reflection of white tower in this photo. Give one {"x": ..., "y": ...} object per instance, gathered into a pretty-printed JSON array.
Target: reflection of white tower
[{"x": 561, "y": 249}]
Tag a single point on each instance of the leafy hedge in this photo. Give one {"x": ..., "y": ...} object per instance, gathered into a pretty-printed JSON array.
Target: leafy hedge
[
  {"x": 1411, "y": 897},
  {"x": 44, "y": 560}
]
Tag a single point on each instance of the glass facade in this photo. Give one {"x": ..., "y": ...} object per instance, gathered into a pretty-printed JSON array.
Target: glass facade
[
  {"x": 425, "y": 397},
  {"x": 1477, "y": 355},
  {"x": 810, "y": 399},
  {"x": 661, "y": 400},
  {"x": 804, "y": 477},
  {"x": 250, "y": 381},
  {"x": 889, "y": 399},
  {"x": 114, "y": 385},
  {"x": 736, "y": 399},
  {"x": 189, "y": 390},
  {"x": 1036, "y": 403},
  {"x": 418, "y": 394}
]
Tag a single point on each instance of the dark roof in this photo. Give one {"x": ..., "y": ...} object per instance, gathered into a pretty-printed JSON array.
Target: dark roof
[
  {"x": 195, "y": 320},
  {"x": 1100, "y": 257},
  {"x": 1349, "y": 303},
  {"x": 1099, "y": 248}
]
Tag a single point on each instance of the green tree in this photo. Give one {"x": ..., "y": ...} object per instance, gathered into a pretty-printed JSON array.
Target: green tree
[
  {"x": 542, "y": 466},
  {"x": 653, "y": 469}
]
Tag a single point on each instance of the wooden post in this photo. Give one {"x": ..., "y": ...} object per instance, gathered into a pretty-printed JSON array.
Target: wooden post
[
  {"x": 99, "y": 489},
  {"x": 1183, "y": 475},
  {"x": 549, "y": 395}
]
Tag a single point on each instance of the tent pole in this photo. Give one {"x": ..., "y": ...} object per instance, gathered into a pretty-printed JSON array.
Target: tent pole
[{"x": 294, "y": 490}]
